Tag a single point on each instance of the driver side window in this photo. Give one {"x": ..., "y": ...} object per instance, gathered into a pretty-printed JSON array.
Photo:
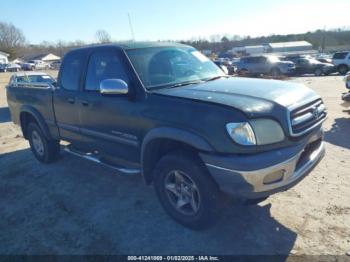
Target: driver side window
[{"x": 104, "y": 65}]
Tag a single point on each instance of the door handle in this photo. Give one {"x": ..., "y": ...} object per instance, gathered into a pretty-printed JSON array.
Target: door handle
[
  {"x": 85, "y": 103},
  {"x": 71, "y": 100}
]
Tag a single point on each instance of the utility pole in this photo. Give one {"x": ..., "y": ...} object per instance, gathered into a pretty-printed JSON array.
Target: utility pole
[
  {"x": 324, "y": 39},
  {"x": 131, "y": 29}
]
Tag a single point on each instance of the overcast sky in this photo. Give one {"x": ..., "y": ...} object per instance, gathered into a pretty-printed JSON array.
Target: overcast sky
[{"x": 69, "y": 20}]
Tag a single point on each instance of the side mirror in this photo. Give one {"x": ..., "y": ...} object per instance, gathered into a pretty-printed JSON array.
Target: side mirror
[{"x": 113, "y": 87}]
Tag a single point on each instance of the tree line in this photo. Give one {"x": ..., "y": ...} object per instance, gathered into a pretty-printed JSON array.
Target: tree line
[{"x": 13, "y": 41}]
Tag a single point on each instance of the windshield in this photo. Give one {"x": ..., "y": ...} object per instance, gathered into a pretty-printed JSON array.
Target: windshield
[
  {"x": 274, "y": 59},
  {"x": 160, "y": 67},
  {"x": 313, "y": 61},
  {"x": 35, "y": 79}
]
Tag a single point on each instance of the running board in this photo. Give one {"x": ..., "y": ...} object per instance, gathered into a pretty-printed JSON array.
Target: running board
[{"x": 126, "y": 171}]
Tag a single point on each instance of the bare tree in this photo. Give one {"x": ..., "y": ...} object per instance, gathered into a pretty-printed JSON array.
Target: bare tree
[
  {"x": 11, "y": 38},
  {"x": 103, "y": 36}
]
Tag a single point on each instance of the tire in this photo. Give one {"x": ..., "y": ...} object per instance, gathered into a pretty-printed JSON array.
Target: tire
[
  {"x": 275, "y": 72},
  {"x": 318, "y": 72},
  {"x": 343, "y": 69},
  {"x": 203, "y": 211},
  {"x": 44, "y": 150}
]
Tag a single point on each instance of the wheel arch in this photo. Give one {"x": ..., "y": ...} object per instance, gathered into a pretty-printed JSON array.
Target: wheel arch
[
  {"x": 29, "y": 114},
  {"x": 160, "y": 141},
  {"x": 342, "y": 65}
]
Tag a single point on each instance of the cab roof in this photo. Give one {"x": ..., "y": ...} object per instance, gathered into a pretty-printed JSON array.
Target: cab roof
[{"x": 134, "y": 45}]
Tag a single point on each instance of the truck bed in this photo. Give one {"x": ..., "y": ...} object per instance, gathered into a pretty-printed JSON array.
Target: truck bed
[{"x": 34, "y": 97}]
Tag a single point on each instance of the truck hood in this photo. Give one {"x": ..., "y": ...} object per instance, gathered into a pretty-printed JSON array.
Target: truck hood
[{"x": 246, "y": 94}]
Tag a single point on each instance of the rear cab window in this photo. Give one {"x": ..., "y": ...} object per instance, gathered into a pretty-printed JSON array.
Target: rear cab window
[{"x": 71, "y": 71}]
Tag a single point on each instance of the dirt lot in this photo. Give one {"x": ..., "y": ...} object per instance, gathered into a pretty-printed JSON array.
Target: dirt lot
[{"x": 77, "y": 207}]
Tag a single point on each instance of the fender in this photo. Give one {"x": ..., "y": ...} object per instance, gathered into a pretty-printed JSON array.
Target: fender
[
  {"x": 39, "y": 119},
  {"x": 186, "y": 137}
]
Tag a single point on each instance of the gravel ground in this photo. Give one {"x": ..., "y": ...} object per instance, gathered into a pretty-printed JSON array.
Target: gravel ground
[{"x": 77, "y": 207}]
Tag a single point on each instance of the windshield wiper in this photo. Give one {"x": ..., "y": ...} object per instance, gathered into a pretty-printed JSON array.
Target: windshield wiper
[
  {"x": 215, "y": 78},
  {"x": 185, "y": 84}
]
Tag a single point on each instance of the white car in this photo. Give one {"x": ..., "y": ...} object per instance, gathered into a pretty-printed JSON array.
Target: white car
[
  {"x": 11, "y": 67},
  {"x": 35, "y": 65},
  {"x": 29, "y": 78},
  {"x": 342, "y": 61}
]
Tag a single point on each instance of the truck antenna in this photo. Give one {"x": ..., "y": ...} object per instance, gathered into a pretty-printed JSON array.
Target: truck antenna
[{"x": 131, "y": 29}]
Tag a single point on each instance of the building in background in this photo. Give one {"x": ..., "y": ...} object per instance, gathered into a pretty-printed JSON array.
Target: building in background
[
  {"x": 282, "y": 48},
  {"x": 289, "y": 47},
  {"x": 4, "y": 58},
  {"x": 249, "y": 50},
  {"x": 48, "y": 58}
]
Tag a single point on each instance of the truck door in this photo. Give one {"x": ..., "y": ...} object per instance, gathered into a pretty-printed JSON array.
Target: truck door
[
  {"x": 107, "y": 122},
  {"x": 262, "y": 65},
  {"x": 65, "y": 96}
]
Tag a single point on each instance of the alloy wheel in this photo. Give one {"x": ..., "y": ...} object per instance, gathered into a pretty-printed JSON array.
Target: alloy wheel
[
  {"x": 37, "y": 143},
  {"x": 182, "y": 192}
]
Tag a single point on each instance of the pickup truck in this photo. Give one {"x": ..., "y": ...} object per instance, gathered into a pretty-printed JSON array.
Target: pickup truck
[
  {"x": 342, "y": 61},
  {"x": 35, "y": 65},
  {"x": 165, "y": 111}
]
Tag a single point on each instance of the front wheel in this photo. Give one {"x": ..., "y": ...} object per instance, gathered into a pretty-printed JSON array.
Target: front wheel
[
  {"x": 318, "y": 72},
  {"x": 343, "y": 69},
  {"x": 275, "y": 72},
  {"x": 186, "y": 190},
  {"x": 45, "y": 150}
]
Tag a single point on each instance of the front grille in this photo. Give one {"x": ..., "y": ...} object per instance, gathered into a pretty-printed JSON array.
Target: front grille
[
  {"x": 307, "y": 153},
  {"x": 307, "y": 117}
]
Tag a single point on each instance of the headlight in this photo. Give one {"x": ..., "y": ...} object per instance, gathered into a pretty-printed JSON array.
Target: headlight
[
  {"x": 241, "y": 133},
  {"x": 256, "y": 132}
]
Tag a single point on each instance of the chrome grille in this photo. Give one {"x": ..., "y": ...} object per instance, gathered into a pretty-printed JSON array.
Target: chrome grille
[{"x": 307, "y": 117}]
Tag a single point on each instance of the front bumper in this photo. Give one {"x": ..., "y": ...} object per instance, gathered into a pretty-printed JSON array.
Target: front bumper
[{"x": 266, "y": 173}]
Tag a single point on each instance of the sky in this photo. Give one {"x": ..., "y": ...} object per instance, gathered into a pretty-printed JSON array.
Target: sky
[{"x": 70, "y": 20}]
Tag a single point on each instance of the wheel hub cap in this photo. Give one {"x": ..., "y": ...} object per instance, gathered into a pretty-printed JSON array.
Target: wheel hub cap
[
  {"x": 182, "y": 192},
  {"x": 37, "y": 143}
]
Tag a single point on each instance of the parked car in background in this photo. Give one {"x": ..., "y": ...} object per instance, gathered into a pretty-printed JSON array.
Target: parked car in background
[
  {"x": 342, "y": 61},
  {"x": 347, "y": 80},
  {"x": 293, "y": 57},
  {"x": 31, "y": 78},
  {"x": 324, "y": 60},
  {"x": 10, "y": 67},
  {"x": 313, "y": 66},
  {"x": 228, "y": 64},
  {"x": 3, "y": 68},
  {"x": 55, "y": 65},
  {"x": 167, "y": 112},
  {"x": 272, "y": 65},
  {"x": 35, "y": 65}
]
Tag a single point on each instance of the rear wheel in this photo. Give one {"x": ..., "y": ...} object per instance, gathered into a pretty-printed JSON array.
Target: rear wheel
[
  {"x": 45, "y": 150},
  {"x": 186, "y": 190},
  {"x": 343, "y": 69}
]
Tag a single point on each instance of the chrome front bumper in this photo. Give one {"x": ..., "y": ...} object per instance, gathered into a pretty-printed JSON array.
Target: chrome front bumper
[{"x": 269, "y": 180}]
